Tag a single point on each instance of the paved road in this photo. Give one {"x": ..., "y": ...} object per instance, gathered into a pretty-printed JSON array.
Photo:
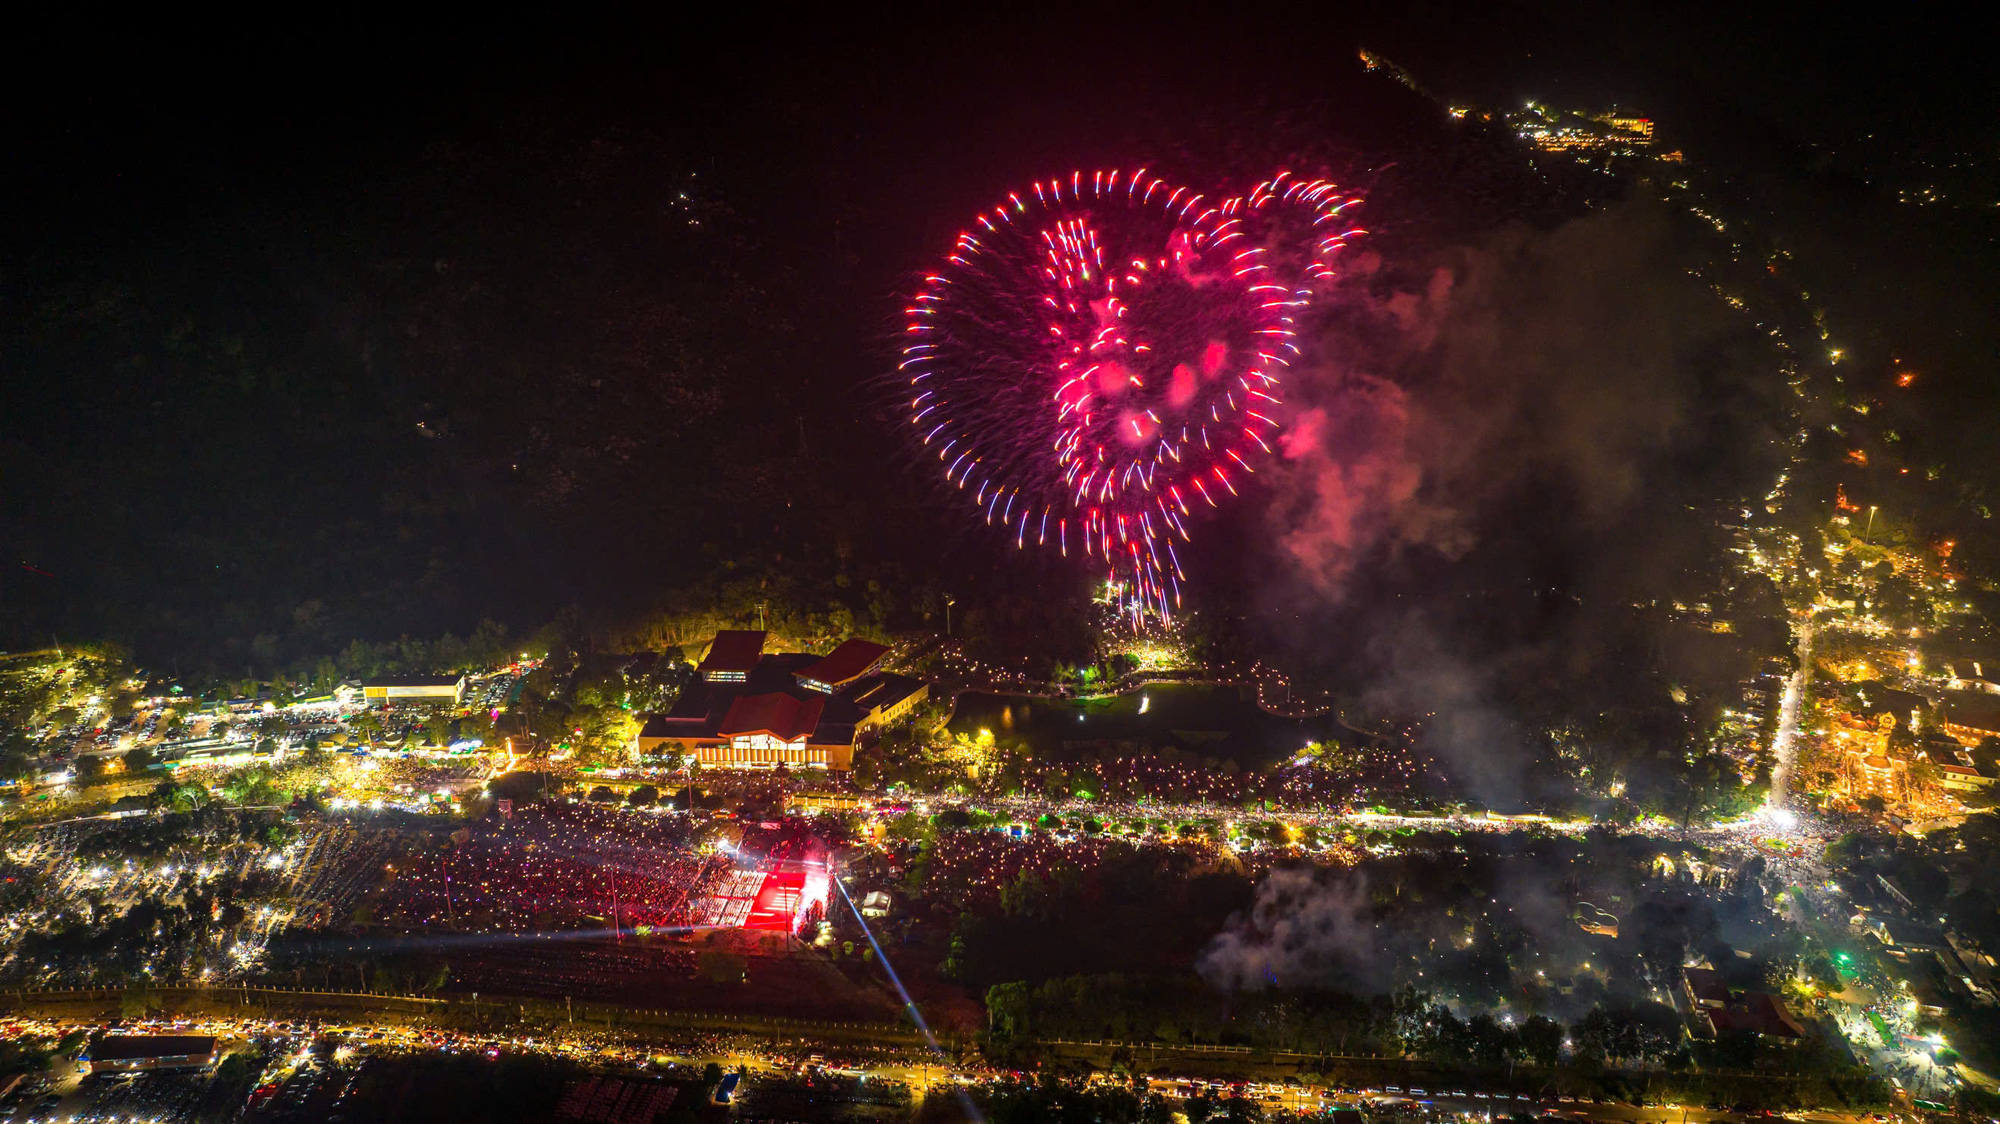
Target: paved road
[
  {"x": 1556, "y": 1110},
  {"x": 402, "y": 1029},
  {"x": 1785, "y": 746}
]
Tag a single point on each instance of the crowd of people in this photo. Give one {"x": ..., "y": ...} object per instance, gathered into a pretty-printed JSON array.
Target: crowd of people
[
  {"x": 968, "y": 870},
  {"x": 558, "y": 867},
  {"x": 1306, "y": 784}
]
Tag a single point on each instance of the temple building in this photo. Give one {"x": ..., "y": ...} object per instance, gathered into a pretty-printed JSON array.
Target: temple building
[
  {"x": 845, "y": 664},
  {"x": 732, "y": 656},
  {"x": 751, "y": 709}
]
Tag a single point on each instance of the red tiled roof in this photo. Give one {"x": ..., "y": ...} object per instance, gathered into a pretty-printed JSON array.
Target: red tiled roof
[
  {"x": 734, "y": 650},
  {"x": 1706, "y": 985},
  {"x": 849, "y": 661},
  {"x": 1772, "y": 1018},
  {"x": 781, "y": 716},
  {"x": 1757, "y": 1013}
]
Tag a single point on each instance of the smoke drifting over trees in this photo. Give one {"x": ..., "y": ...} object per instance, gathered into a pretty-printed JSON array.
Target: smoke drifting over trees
[
  {"x": 1502, "y": 452},
  {"x": 1567, "y": 360},
  {"x": 1490, "y": 922}
]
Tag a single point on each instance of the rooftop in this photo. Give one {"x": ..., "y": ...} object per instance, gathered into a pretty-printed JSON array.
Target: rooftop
[
  {"x": 880, "y": 692},
  {"x": 734, "y": 650},
  {"x": 781, "y": 716},
  {"x": 848, "y": 662},
  {"x": 131, "y": 1047},
  {"x": 769, "y": 697},
  {"x": 1757, "y": 1013},
  {"x": 1968, "y": 669},
  {"x": 1974, "y": 709},
  {"x": 1706, "y": 985},
  {"x": 413, "y": 681}
]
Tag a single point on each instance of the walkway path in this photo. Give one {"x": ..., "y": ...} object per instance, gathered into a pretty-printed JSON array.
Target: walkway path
[{"x": 1785, "y": 745}]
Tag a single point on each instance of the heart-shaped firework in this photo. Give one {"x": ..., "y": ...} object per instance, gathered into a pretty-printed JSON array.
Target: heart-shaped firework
[{"x": 1102, "y": 354}]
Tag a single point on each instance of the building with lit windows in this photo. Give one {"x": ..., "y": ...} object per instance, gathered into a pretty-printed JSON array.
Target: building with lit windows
[
  {"x": 845, "y": 664},
  {"x": 1971, "y": 716},
  {"x": 1637, "y": 130},
  {"x": 885, "y": 697},
  {"x": 415, "y": 689},
  {"x": 797, "y": 710},
  {"x": 732, "y": 656}
]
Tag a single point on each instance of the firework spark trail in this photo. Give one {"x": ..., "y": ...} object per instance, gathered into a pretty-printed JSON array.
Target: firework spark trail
[{"x": 1105, "y": 349}]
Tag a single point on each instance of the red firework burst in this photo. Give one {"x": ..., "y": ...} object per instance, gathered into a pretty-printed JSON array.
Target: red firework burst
[{"x": 1102, "y": 354}]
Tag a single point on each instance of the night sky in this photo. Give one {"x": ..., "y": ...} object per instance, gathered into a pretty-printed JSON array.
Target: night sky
[{"x": 312, "y": 334}]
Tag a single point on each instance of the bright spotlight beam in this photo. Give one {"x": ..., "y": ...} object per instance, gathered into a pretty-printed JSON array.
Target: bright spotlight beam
[{"x": 909, "y": 1004}]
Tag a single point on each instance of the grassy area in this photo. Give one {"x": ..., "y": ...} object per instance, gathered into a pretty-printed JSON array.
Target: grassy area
[{"x": 1212, "y": 721}]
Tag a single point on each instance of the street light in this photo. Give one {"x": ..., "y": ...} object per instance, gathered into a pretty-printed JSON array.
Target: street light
[{"x": 1871, "y": 524}]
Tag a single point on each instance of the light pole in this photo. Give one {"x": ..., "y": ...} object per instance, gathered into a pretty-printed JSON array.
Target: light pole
[
  {"x": 1865, "y": 535},
  {"x": 949, "y": 601}
]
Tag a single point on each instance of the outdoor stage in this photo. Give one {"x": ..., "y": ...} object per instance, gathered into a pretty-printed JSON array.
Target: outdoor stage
[{"x": 776, "y": 899}]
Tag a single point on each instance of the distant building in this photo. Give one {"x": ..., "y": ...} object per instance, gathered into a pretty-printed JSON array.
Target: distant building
[
  {"x": 1636, "y": 130},
  {"x": 748, "y": 729},
  {"x": 1705, "y": 989},
  {"x": 1894, "y": 889},
  {"x": 772, "y": 727},
  {"x": 852, "y": 660},
  {"x": 414, "y": 688},
  {"x": 1961, "y": 777},
  {"x": 732, "y": 655},
  {"x": 1911, "y": 936},
  {"x": 1546, "y": 129},
  {"x": 813, "y": 803},
  {"x": 1971, "y": 675},
  {"x": 1929, "y": 1003},
  {"x": 1717, "y": 1010},
  {"x": 1971, "y": 716},
  {"x": 126, "y": 1053},
  {"x": 885, "y": 697},
  {"x": 1870, "y": 769},
  {"x": 756, "y": 710},
  {"x": 1757, "y": 1013}
]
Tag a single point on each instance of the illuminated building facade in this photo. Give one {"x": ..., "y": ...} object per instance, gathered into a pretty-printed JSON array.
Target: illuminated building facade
[
  {"x": 414, "y": 688},
  {"x": 845, "y": 664},
  {"x": 752, "y": 709}
]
